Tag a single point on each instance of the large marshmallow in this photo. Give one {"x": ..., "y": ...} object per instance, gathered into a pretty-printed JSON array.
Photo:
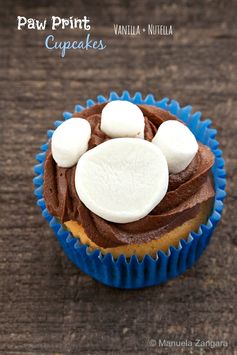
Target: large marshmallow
[
  {"x": 70, "y": 141},
  {"x": 123, "y": 179},
  {"x": 177, "y": 143},
  {"x": 122, "y": 119}
]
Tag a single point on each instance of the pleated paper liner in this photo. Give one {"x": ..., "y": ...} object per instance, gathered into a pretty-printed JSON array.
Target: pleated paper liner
[{"x": 132, "y": 273}]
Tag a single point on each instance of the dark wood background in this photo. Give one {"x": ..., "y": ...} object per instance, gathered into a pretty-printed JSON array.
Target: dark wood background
[{"x": 47, "y": 305}]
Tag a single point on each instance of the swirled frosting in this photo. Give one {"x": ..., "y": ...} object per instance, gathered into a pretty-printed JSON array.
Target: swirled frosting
[{"x": 187, "y": 190}]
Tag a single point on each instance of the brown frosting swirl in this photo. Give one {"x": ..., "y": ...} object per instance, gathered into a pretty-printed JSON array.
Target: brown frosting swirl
[{"x": 187, "y": 190}]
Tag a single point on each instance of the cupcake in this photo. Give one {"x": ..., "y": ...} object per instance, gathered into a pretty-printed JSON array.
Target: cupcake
[{"x": 130, "y": 188}]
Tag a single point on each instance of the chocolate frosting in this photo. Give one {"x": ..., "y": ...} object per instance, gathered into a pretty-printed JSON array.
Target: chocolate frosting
[{"x": 186, "y": 191}]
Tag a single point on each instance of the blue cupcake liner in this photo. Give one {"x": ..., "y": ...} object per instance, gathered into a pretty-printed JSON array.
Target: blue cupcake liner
[{"x": 132, "y": 273}]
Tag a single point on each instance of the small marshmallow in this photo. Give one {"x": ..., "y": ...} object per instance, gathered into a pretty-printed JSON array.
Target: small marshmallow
[
  {"x": 70, "y": 141},
  {"x": 177, "y": 143},
  {"x": 123, "y": 179},
  {"x": 122, "y": 119}
]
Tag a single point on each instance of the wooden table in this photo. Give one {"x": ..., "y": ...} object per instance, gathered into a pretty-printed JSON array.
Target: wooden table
[{"x": 47, "y": 306}]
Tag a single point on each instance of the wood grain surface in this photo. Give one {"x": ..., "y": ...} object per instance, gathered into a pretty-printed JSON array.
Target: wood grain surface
[{"x": 47, "y": 306}]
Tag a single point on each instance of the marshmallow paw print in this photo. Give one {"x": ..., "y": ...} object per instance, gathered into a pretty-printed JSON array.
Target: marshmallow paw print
[
  {"x": 123, "y": 179},
  {"x": 70, "y": 141},
  {"x": 122, "y": 119},
  {"x": 177, "y": 143}
]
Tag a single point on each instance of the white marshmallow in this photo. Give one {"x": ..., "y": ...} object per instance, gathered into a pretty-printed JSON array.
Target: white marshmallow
[
  {"x": 123, "y": 179},
  {"x": 122, "y": 119},
  {"x": 177, "y": 143},
  {"x": 70, "y": 141}
]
